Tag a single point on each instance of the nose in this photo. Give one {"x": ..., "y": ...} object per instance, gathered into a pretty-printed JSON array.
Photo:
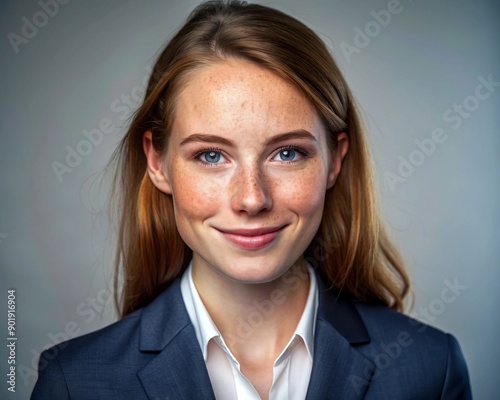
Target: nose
[{"x": 250, "y": 191}]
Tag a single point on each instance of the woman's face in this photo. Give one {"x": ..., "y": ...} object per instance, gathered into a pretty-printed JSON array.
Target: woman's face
[{"x": 247, "y": 166}]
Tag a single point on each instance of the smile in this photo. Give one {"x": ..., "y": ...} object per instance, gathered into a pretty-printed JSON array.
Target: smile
[{"x": 252, "y": 239}]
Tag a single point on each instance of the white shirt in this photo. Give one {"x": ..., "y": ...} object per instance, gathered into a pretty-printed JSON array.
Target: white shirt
[{"x": 292, "y": 368}]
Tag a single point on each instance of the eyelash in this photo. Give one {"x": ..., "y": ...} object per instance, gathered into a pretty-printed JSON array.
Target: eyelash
[
  {"x": 299, "y": 150},
  {"x": 207, "y": 150}
]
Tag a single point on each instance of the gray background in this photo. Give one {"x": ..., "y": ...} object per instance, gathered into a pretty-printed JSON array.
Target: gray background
[{"x": 70, "y": 76}]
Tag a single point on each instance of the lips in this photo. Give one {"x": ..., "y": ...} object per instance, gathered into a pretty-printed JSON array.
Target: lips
[{"x": 252, "y": 239}]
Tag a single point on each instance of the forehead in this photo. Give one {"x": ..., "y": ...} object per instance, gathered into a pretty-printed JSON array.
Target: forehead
[{"x": 240, "y": 95}]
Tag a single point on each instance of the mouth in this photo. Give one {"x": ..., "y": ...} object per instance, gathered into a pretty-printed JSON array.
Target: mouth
[{"x": 252, "y": 239}]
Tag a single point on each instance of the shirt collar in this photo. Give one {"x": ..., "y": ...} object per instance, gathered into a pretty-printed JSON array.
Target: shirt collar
[
  {"x": 205, "y": 328},
  {"x": 203, "y": 325},
  {"x": 307, "y": 322}
]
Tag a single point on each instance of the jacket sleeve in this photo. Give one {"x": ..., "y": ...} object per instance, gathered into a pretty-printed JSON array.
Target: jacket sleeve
[
  {"x": 51, "y": 383},
  {"x": 456, "y": 383}
]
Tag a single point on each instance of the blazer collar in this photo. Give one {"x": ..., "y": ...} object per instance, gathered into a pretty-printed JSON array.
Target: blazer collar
[
  {"x": 168, "y": 310},
  {"x": 339, "y": 370},
  {"x": 341, "y": 314},
  {"x": 178, "y": 367}
]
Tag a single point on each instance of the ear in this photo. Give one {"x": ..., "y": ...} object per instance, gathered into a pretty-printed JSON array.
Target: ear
[
  {"x": 156, "y": 164},
  {"x": 337, "y": 158}
]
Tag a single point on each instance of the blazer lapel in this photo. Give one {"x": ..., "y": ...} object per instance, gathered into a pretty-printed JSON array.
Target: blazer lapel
[
  {"x": 339, "y": 370},
  {"x": 177, "y": 370}
]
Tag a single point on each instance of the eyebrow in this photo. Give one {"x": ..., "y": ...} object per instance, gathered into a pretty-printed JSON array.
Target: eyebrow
[{"x": 202, "y": 137}]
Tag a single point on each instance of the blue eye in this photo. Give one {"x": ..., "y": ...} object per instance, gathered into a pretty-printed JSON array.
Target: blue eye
[
  {"x": 211, "y": 157},
  {"x": 290, "y": 154},
  {"x": 287, "y": 154}
]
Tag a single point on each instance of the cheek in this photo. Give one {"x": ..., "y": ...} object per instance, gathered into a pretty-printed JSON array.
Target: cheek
[
  {"x": 194, "y": 196},
  {"x": 304, "y": 193}
]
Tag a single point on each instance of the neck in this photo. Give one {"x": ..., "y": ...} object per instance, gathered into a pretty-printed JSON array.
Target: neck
[{"x": 255, "y": 320}]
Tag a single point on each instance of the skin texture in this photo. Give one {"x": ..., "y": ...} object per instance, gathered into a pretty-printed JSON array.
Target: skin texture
[{"x": 229, "y": 166}]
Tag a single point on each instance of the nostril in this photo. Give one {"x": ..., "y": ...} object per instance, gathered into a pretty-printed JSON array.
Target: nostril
[{"x": 252, "y": 194}]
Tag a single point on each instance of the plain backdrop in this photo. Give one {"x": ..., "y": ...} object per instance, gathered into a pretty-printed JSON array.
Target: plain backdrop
[{"x": 427, "y": 84}]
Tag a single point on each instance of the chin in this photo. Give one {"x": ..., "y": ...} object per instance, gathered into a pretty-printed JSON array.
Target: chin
[{"x": 252, "y": 272}]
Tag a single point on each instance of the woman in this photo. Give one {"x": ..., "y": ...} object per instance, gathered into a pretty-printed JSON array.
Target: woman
[{"x": 251, "y": 259}]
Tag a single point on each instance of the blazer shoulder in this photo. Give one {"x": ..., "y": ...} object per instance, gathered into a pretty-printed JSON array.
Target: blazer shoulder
[
  {"x": 109, "y": 338},
  {"x": 388, "y": 326},
  {"x": 85, "y": 359},
  {"x": 106, "y": 343},
  {"x": 404, "y": 348},
  {"x": 127, "y": 334},
  {"x": 381, "y": 321},
  {"x": 106, "y": 363}
]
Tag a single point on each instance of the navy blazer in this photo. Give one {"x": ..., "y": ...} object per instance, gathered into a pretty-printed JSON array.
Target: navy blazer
[{"x": 361, "y": 351}]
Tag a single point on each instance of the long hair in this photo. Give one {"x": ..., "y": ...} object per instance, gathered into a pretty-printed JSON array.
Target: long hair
[{"x": 150, "y": 254}]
